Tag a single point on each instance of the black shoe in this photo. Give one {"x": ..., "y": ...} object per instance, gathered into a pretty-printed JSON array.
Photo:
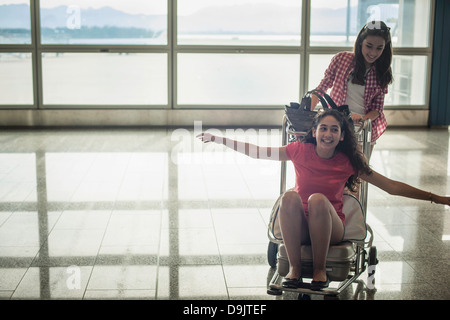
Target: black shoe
[
  {"x": 319, "y": 285},
  {"x": 291, "y": 283}
]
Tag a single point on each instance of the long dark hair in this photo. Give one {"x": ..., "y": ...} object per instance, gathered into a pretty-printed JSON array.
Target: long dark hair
[
  {"x": 348, "y": 146},
  {"x": 383, "y": 63}
]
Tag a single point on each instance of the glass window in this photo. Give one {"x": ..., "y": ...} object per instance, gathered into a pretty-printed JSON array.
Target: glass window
[
  {"x": 132, "y": 22},
  {"x": 333, "y": 22},
  {"x": 239, "y": 22},
  {"x": 408, "y": 88},
  {"x": 16, "y": 78},
  {"x": 15, "y": 22},
  {"x": 409, "y": 21},
  {"x": 238, "y": 79},
  {"x": 318, "y": 63},
  {"x": 105, "y": 78}
]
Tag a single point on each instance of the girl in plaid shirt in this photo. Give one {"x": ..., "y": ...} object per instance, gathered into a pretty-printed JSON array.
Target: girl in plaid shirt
[{"x": 360, "y": 78}]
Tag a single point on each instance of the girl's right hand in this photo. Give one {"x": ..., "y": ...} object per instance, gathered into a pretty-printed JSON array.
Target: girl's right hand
[
  {"x": 356, "y": 117},
  {"x": 440, "y": 199},
  {"x": 314, "y": 101}
]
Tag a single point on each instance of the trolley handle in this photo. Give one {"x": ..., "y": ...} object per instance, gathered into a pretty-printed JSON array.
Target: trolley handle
[{"x": 360, "y": 126}]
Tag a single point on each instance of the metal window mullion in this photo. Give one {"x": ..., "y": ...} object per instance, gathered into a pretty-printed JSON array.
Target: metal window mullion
[
  {"x": 37, "y": 69},
  {"x": 304, "y": 47},
  {"x": 172, "y": 61},
  {"x": 430, "y": 54}
]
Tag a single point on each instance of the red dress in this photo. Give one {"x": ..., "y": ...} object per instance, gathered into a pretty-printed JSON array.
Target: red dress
[{"x": 317, "y": 175}]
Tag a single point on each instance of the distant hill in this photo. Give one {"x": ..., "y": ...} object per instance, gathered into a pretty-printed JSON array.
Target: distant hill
[
  {"x": 273, "y": 18},
  {"x": 247, "y": 17},
  {"x": 57, "y": 18}
]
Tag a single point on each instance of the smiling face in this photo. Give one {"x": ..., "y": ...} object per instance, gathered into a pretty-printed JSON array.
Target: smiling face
[
  {"x": 372, "y": 47},
  {"x": 328, "y": 134}
]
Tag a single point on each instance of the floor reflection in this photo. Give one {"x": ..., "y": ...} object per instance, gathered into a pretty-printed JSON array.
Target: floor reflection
[{"x": 134, "y": 214}]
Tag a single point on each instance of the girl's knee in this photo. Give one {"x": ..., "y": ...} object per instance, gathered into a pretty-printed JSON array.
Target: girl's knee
[
  {"x": 290, "y": 197},
  {"x": 291, "y": 201},
  {"x": 317, "y": 199},
  {"x": 318, "y": 204}
]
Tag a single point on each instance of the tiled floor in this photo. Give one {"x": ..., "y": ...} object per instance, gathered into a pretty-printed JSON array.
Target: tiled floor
[{"x": 155, "y": 214}]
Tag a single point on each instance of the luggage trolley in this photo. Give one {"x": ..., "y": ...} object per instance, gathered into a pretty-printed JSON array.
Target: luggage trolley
[{"x": 347, "y": 260}]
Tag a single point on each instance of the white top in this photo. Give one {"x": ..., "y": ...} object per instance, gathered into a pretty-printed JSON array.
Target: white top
[{"x": 355, "y": 97}]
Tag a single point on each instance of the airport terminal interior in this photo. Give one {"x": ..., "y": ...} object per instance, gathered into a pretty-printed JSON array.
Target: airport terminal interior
[
  {"x": 107, "y": 194},
  {"x": 117, "y": 214}
]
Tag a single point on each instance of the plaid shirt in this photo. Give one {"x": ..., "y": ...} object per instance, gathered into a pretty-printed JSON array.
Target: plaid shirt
[{"x": 336, "y": 77}]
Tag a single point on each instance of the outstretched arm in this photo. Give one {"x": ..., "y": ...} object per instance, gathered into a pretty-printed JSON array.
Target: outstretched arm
[
  {"x": 251, "y": 150},
  {"x": 398, "y": 188}
]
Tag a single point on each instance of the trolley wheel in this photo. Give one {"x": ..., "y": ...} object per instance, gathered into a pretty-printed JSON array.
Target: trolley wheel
[
  {"x": 304, "y": 296},
  {"x": 372, "y": 262},
  {"x": 272, "y": 251},
  {"x": 373, "y": 256}
]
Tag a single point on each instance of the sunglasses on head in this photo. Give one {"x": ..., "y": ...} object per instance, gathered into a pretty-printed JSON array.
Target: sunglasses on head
[{"x": 376, "y": 25}]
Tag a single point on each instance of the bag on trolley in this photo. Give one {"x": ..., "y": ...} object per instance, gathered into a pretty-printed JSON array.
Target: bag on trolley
[{"x": 300, "y": 115}]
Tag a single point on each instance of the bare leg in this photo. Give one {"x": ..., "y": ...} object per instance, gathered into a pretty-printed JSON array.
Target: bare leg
[
  {"x": 325, "y": 228},
  {"x": 294, "y": 229}
]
